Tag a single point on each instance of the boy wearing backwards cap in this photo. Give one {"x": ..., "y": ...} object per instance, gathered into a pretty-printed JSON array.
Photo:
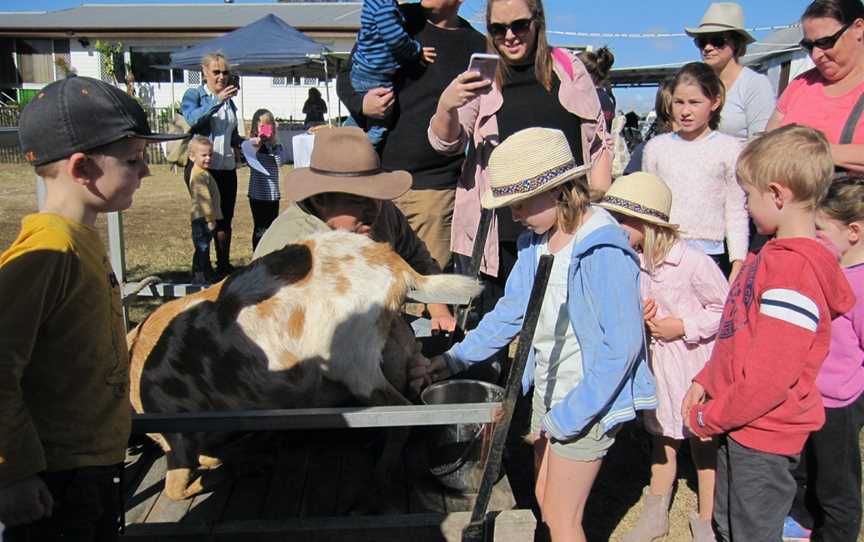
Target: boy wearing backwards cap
[{"x": 64, "y": 398}]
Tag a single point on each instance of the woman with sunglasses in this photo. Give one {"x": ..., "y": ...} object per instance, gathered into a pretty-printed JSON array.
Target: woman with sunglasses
[
  {"x": 824, "y": 97},
  {"x": 210, "y": 112},
  {"x": 535, "y": 86},
  {"x": 722, "y": 40}
]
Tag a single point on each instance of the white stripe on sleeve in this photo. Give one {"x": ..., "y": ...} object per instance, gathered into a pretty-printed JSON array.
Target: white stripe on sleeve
[{"x": 790, "y": 306}]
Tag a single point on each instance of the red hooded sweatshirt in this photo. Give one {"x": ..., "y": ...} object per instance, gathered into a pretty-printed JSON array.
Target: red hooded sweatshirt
[{"x": 773, "y": 338}]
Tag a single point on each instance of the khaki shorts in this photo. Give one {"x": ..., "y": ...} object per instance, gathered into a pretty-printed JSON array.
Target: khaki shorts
[{"x": 590, "y": 447}]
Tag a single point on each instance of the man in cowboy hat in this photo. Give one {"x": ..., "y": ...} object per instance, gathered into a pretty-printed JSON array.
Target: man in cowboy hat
[{"x": 344, "y": 188}]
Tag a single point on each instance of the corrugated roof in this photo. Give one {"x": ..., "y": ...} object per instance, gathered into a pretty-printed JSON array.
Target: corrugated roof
[{"x": 304, "y": 16}]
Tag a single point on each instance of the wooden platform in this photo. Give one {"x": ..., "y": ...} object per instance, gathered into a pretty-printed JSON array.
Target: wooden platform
[{"x": 318, "y": 488}]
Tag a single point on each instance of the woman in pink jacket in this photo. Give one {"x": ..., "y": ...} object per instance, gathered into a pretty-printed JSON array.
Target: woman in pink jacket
[{"x": 535, "y": 85}]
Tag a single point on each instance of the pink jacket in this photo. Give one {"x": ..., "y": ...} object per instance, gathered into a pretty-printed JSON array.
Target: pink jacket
[{"x": 477, "y": 119}]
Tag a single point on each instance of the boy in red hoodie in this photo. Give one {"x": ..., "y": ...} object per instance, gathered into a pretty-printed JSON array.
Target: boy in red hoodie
[{"x": 758, "y": 389}]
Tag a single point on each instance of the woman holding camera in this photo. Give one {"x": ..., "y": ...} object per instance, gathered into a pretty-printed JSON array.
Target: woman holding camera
[
  {"x": 529, "y": 73},
  {"x": 210, "y": 112}
]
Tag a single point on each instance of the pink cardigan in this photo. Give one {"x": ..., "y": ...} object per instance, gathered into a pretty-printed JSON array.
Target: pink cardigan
[{"x": 477, "y": 119}]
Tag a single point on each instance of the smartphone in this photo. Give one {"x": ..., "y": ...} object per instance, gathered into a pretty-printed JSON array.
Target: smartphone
[
  {"x": 234, "y": 81},
  {"x": 485, "y": 64}
]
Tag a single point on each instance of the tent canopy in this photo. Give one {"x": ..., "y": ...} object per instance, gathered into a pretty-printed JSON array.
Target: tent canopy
[{"x": 268, "y": 46}]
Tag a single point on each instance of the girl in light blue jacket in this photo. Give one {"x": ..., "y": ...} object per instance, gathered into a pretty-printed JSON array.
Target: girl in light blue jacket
[{"x": 587, "y": 364}]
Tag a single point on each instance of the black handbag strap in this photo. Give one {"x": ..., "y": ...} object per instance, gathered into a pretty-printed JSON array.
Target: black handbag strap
[{"x": 852, "y": 121}]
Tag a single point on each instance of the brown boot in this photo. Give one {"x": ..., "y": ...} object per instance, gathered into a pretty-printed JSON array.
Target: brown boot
[
  {"x": 701, "y": 529},
  {"x": 653, "y": 520}
]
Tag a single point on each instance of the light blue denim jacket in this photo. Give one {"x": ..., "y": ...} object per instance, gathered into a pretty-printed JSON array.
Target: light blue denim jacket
[
  {"x": 606, "y": 315},
  {"x": 198, "y": 106}
]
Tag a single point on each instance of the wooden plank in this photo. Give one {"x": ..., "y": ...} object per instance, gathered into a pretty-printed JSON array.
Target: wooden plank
[
  {"x": 166, "y": 510},
  {"x": 247, "y": 494},
  {"x": 426, "y": 496},
  {"x": 323, "y": 483},
  {"x": 357, "y": 479},
  {"x": 146, "y": 493},
  {"x": 313, "y": 418},
  {"x": 167, "y": 532},
  {"x": 508, "y": 526},
  {"x": 289, "y": 477},
  {"x": 207, "y": 508}
]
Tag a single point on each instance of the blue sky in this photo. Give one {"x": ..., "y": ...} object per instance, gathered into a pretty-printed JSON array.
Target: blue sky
[{"x": 631, "y": 16}]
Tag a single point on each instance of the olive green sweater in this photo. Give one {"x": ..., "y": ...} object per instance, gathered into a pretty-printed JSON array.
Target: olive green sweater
[{"x": 64, "y": 365}]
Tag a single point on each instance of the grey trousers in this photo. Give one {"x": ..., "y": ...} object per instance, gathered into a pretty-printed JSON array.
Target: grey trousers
[{"x": 753, "y": 493}]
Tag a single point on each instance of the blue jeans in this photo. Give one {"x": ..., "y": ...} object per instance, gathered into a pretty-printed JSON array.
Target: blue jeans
[
  {"x": 201, "y": 235},
  {"x": 376, "y": 129}
]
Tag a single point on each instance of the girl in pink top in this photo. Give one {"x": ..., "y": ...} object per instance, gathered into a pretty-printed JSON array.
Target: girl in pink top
[
  {"x": 684, "y": 293},
  {"x": 832, "y": 455},
  {"x": 698, "y": 164}
]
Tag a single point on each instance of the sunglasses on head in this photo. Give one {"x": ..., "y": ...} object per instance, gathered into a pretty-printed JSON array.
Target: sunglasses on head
[
  {"x": 519, "y": 26},
  {"x": 824, "y": 43},
  {"x": 717, "y": 42}
]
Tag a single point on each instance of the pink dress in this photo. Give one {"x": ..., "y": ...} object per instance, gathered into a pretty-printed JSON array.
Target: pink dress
[{"x": 690, "y": 286}]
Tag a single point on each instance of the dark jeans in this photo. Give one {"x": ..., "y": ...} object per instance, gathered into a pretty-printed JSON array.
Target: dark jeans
[
  {"x": 201, "y": 235},
  {"x": 753, "y": 493},
  {"x": 263, "y": 214},
  {"x": 829, "y": 489},
  {"x": 87, "y": 507}
]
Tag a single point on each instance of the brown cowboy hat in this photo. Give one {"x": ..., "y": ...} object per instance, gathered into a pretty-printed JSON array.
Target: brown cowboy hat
[{"x": 343, "y": 160}]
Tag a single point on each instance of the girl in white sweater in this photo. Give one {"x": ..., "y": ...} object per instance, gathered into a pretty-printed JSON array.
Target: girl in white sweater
[{"x": 698, "y": 164}]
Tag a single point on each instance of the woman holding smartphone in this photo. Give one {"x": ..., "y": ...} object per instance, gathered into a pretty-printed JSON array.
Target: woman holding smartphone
[
  {"x": 210, "y": 112},
  {"x": 486, "y": 112}
]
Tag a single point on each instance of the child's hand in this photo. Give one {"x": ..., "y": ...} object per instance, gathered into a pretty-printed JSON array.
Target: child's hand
[
  {"x": 438, "y": 369},
  {"x": 667, "y": 329},
  {"x": 429, "y": 54},
  {"x": 695, "y": 396},
  {"x": 25, "y": 501},
  {"x": 649, "y": 309},
  {"x": 256, "y": 141},
  {"x": 211, "y": 226}
]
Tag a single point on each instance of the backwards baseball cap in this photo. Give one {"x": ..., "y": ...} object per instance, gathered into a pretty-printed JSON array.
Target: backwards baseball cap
[{"x": 78, "y": 114}]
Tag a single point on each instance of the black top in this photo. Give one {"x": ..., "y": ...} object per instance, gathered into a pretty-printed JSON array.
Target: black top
[
  {"x": 527, "y": 104},
  {"x": 418, "y": 89}
]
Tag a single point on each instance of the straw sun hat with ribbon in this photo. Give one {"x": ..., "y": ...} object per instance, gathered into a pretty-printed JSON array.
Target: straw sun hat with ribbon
[
  {"x": 722, "y": 17},
  {"x": 527, "y": 163},
  {"x": 343, "y": 160},
  {"x": 640, "y": 195}
]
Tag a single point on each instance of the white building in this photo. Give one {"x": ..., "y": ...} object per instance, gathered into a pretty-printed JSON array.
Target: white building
[{"x": 35, "y": 46}]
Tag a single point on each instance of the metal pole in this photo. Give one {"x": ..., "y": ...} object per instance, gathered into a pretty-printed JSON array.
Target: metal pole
[
  {"x": 475, "y": 530},
  {"x": 327, "y": 90},
  {"x": 474, "y": 266},
  {"x": 117, "y": 252},
  {"x": 171, "y": 71}
]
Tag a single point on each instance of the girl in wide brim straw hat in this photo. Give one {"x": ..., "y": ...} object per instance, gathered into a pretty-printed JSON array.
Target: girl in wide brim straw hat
[
  {"x": 587, "y": 363},
  {"x": 683, "y": 292}
]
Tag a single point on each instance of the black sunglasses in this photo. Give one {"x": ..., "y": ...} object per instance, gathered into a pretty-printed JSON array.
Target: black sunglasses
[
  {"x": 220, "y": 72},
  {"x": 717, "y": 42},
  {"x": 519, "y": 26},
  {"x": 824, "y": 43}
]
